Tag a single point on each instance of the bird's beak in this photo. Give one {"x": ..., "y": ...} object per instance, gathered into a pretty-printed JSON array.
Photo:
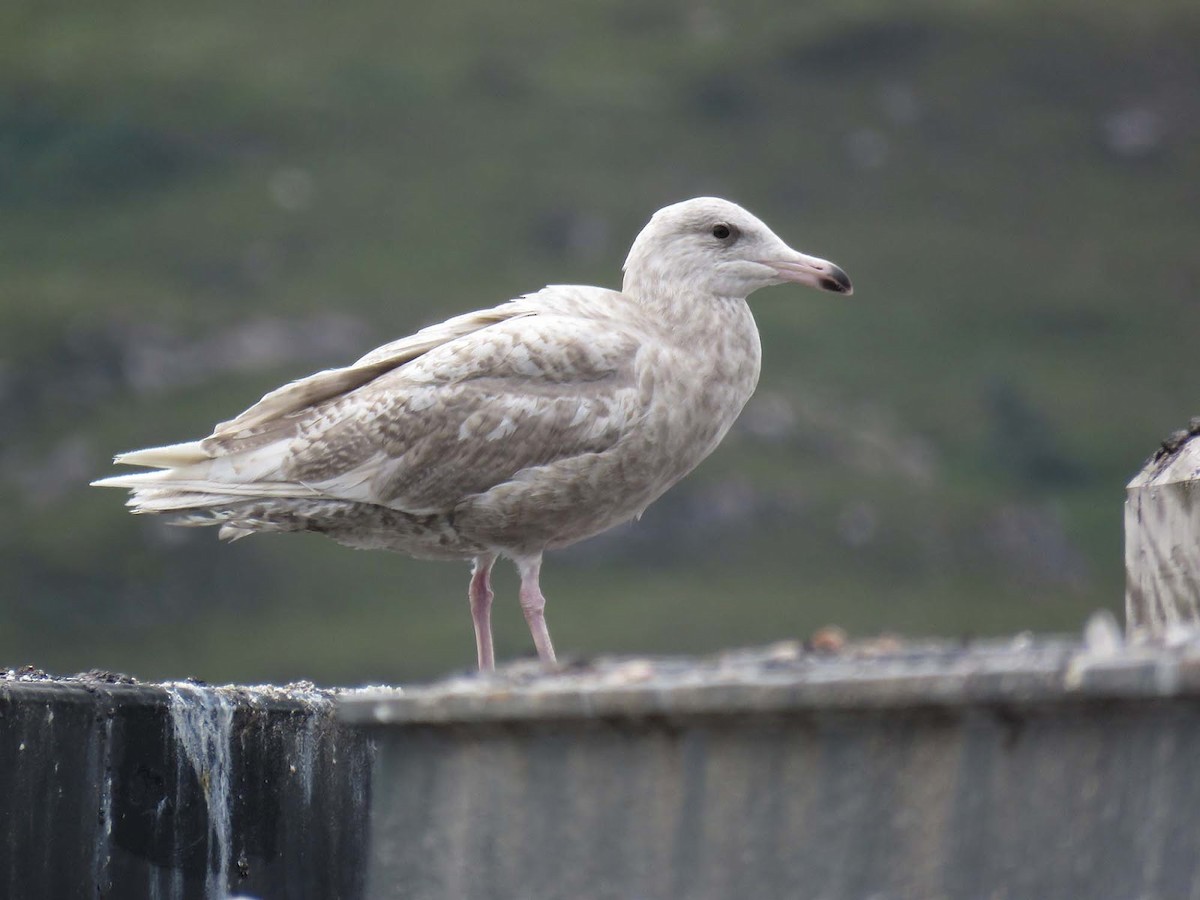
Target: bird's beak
[{"x": 818, "y": 273}]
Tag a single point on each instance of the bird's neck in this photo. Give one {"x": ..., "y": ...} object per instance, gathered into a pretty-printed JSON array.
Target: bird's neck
[{"x": 683, "y": 307}]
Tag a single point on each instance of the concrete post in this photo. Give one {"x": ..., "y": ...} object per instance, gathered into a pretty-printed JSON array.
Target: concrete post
[{"x": 1162, "y": 539}]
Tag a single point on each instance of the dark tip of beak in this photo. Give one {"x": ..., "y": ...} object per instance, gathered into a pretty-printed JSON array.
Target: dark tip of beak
[{"x": 837, "y": 281}]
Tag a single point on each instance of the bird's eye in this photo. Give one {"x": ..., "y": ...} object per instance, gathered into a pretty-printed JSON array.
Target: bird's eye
[{"x": 723, "y": 232}]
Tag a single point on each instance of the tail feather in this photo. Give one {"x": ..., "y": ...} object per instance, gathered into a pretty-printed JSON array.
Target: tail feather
[
  {"x": 168, "y": 481},
  {"x": 233, "y": 533},
  {"x": 196, "y": 487},
  {"x": 228, "y": 531},
  {"x": 168, "y": 457},
  {"x": 135, "y": 481},
  {"x": 147, "y": 501}
]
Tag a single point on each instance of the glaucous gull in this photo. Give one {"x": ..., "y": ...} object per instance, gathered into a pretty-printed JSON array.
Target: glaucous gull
[{"x": 509, "y": 431}]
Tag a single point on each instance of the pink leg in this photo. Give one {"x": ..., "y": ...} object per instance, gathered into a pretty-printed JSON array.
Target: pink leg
[
  {"x": 533, "y": 605},
  {"x": 481, "y": 610}
]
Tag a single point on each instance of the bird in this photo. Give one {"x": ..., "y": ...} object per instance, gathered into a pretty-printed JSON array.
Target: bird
[{"x": 509, "y": 431}]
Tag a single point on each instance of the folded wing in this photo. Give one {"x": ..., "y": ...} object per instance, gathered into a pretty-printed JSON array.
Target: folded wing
[{"x": 418, "y": 424}]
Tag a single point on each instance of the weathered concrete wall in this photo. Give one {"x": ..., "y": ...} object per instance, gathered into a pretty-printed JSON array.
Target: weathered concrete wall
[
  {"x": 1029, "y": 769},
  {"x": 177, "y": 791}
]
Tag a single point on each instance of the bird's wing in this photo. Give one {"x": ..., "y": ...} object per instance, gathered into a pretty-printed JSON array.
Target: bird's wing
[
  {"x": 322, "y": 386},
  {"x": 472, "y": 413},
  {"x": 421, "y": 423}
]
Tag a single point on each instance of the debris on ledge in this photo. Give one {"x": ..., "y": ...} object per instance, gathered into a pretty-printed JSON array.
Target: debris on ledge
[{"x": 873, "y": 673}]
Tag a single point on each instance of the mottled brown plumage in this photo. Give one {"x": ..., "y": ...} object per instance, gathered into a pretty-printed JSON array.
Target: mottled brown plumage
[{"x": 509, "y": 431}]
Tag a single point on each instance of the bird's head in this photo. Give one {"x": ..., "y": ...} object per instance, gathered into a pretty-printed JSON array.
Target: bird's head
[{"x": 713, "y": 246}]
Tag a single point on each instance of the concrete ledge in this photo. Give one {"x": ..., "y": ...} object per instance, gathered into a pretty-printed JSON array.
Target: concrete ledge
[
  {"x": 1007, "y": 770},
  {"x": 786, "y": 678}
]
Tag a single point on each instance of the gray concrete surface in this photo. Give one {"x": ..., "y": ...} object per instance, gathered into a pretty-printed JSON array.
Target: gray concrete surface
[
  {"x": 1026, "y": 768},
  {"x": 1162, "y": 538},
  {"x": 1020, "y": 769}
]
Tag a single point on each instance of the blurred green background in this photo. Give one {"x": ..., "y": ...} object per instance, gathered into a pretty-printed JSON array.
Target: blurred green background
[{"x": 201, "y": 200}]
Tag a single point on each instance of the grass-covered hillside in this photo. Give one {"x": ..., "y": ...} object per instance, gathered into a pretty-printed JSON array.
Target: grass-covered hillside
[{"x": 200, "y": 200}]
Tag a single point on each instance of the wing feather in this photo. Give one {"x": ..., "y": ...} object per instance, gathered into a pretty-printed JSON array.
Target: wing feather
[
  {"x": 305, "y": 392},
  {"x": 472, "y": 415}
]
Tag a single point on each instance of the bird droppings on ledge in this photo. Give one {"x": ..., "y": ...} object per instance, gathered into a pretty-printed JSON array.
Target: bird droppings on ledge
[
  {"x": 186, "y": 789},
  {"x": 29, "y": 673},
  {"x": 791, "y": 676}
]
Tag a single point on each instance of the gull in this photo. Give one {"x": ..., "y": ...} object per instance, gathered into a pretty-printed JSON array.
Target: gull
[{"x": 509, "y": 431}]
